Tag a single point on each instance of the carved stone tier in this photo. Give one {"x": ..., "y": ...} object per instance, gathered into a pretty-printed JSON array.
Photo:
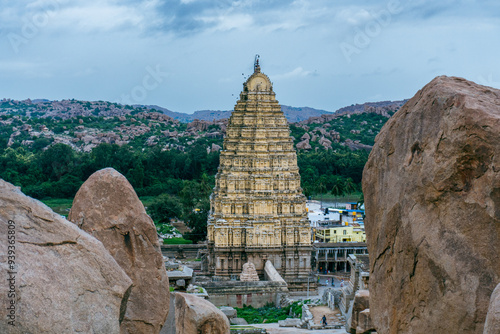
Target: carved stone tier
[{"x": 257, "y": 209}]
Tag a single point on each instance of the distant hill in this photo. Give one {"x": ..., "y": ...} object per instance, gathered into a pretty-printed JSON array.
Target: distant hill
[
  {"x": 293, "y": 114},
  {"x": 384, "y": 108},
  {"x": 74, "y": 108},
  {"x": 83, "y": 125},
  {"x": 360, "y": 108},
  {"x": 182, "y": 117}
]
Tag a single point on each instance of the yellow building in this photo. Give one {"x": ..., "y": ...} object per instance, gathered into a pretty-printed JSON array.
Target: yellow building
[{"x": 341, "y": 233}]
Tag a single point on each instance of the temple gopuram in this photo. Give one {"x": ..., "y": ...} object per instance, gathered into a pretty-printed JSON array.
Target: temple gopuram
[{"x": 257, "y": 208}]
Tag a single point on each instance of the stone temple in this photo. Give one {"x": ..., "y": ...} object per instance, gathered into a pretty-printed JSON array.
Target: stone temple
[{"x": 257, "y": 208}]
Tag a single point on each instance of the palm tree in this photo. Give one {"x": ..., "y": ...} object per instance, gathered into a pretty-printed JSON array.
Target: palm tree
[
  {"x": 321, "y": 188},
  {"x": 349, "y": 186}
]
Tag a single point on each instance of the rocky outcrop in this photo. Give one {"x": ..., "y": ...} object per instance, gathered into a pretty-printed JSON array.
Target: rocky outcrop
[
  {"x": 492, "y": 325},
  {"x": 303, "y": 145},
  {"x": 335, "y": 135},
  {"x": 365, "y": 323},
  {"x": 62, "y": 279},
  {"x": 359, "y": 320},
  {"x": 198, "y": 125},
  {"x": 356, "y": 145},
  {"x": 380, "y": 108},
  {"x": 192, "y": 315},
  {"x": 249, "y": 274},
  {"x": 215, "y": 148},
  {"x": 325, "y": 143},
  {"x": 107, "y": 207},
  {"x": 432, "y": 197}
]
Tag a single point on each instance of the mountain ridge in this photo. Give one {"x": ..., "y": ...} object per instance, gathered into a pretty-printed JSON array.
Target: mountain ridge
[
  {"x": 73, "y": 108},
  {"x": 84, "y": 125}
]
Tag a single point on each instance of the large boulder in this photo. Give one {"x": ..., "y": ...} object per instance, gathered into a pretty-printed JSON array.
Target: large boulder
[
  {"x": 108, "y": 208},
  {"x": 365, "y": 323},
  {"x": 432, "y": 198},
  {"x": 492, "y": 325},
  {"x": 357, "y": 322},
  {"x": 61, "y": 279},
  {"x": 303, "y": 145},
  {"x": 190, "y": 314}
]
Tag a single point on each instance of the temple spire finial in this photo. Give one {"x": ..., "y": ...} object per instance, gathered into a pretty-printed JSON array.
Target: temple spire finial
[{"x": 256, "y": 66}]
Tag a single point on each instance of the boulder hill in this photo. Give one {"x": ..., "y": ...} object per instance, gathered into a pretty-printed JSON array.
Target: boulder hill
[{"x": 432, "y": 197}]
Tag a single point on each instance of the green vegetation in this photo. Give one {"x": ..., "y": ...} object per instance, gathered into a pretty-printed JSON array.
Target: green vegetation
[
  {"x": 270, "y": 313},
  {"x": 335, "y": 172},
  {"x": 177, "y": 241},
  {"x": 183, "y": 179},
  {"x": 173, "y": 184},
  {"x": 59, "y": 205},
  {"x": 354, "y": 197},
  {"x": 363, "y": 127}
]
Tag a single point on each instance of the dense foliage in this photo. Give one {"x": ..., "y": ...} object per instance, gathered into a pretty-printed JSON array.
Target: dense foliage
[
  {"x": 179, "y": 182},
  {"x": 357, "y": 127},
  {"x": 184, "y": 179},
  {"x": 270, "y": 313}
]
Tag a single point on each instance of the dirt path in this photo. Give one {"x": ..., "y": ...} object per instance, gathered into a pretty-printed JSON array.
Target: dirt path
[
  {"x": 275, "y": 329},
  {"x": 318, "y": 312}
]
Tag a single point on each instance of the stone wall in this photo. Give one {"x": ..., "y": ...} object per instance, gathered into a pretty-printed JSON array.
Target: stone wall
[
  {"x": 182, "y": 251},
  {"x": 236, "y": 293}
]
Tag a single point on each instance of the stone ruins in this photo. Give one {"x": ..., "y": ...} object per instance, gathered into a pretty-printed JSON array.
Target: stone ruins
[{"x": 249, "y": 274}]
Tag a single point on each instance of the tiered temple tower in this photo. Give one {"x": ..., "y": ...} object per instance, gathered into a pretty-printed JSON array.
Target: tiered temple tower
[{"x": 257, "y": 209}]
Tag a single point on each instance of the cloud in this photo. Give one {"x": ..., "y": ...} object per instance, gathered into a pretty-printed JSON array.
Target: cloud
[
  {"x": 80, "y": 16},
  {"x": 297, "y": 72},
  {"x": 101, "y": 18},
  {"x": 188, "y": 17},
  {"x": 101, "y": 47}
]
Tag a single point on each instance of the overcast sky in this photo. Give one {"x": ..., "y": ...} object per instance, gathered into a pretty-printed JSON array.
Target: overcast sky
[{"x": 188, "y": 55}]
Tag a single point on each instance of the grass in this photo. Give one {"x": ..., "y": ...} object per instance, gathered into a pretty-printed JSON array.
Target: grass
[
  {"x": 63, "y": 205},
  {"x": 59, "y": 205},
  {"x": 177, "y": 241},
  {"x": 354, "y": 197}
]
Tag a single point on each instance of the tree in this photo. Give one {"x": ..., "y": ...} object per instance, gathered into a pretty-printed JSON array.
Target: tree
[
  {"x": 164, "y": 208},
  {"x": 40, "y": 143},
  {"x": 136, "y": 175},
  {"x": 349, "y": 186},
  {"x": 57, "y": 161},
  {"x": 337, "y": 188},
  {"x": 197, "y": 221}
]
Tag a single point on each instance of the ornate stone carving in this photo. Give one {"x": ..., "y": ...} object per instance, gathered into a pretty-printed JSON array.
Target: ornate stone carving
[
  {"x": 258, "y": 177},
  {"x": 249, "y": 274}
]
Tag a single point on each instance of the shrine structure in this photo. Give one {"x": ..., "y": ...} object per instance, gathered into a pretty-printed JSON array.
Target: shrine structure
[{"x": 257, "y": 209}]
